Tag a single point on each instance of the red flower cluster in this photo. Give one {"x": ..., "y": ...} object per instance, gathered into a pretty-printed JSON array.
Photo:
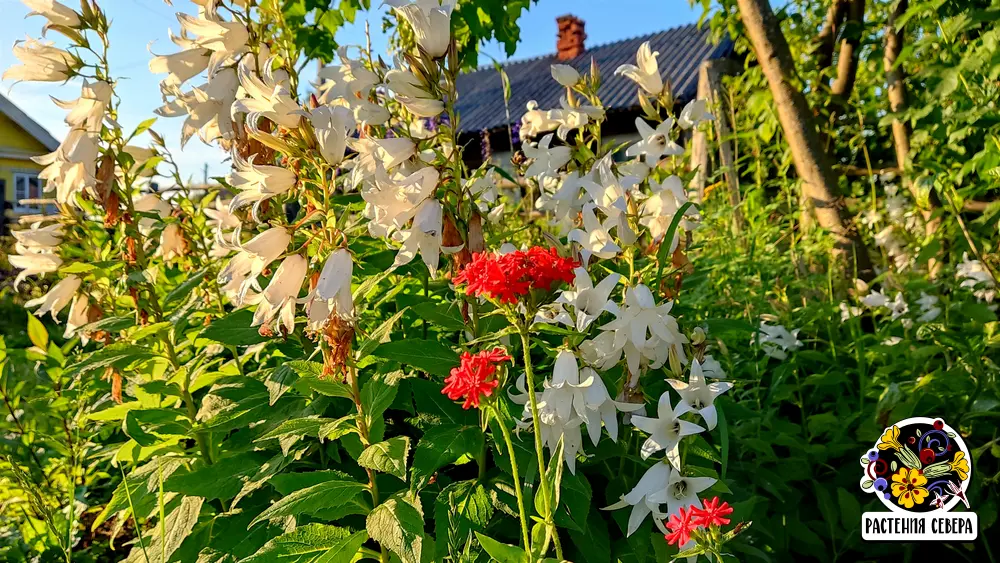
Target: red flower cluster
[
  {"x": 472, "y": 379},
  {"x": 509, "y": 276},
  {"x": 712, "y": 514}
]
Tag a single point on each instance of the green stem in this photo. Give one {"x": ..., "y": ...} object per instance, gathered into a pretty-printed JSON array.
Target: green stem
[
  {"x": 535, "y": 421},
  {"x": 135, "y": 518},
  {"x": 517, "y": 482},
  {"x": 352, "y": 378},
  {"x": 200, "y": 436}
]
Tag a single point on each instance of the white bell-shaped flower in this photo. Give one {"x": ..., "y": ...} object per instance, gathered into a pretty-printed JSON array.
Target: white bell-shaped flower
[
  {"x": 430, "y": 21},
  {"x": 276, "y": 304},
  {"x": 681, "y": 492},
  {"x": 57, "y": 298},
  {"x": 646, "y": 73},
  {"x": 642, "y": 497},
  {"x": 699, "y": 395},
  {"x": 666, "y": 430}
]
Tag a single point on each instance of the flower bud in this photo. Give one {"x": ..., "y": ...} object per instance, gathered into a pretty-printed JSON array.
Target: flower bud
[{"x": 698, "y": 336}]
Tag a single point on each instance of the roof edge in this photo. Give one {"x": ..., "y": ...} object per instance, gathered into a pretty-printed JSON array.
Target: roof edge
[
  {"x": 504, "y": 64},
  {"x": 30, "y": 126}
]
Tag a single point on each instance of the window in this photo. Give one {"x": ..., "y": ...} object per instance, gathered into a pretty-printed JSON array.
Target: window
[{"x": 26, "y": 186}]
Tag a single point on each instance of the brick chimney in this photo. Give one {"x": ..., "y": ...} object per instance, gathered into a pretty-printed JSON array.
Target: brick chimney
[{"x": 571, "y": 37}]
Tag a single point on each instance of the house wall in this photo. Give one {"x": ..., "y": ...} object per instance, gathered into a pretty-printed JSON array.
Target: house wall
[{"x": 16, "y": 149}]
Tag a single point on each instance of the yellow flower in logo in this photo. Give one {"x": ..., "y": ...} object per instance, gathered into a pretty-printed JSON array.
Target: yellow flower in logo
[
  {"x": 890, "y": 439},
  {"x": 908, "y": 486},
  {"x": 960, "y": 465}
]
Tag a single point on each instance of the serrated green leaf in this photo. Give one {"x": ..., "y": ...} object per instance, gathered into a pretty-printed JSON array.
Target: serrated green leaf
[
  {"x": 399, "y": 526},
  {"x": 234, "y": 330},
  {"x": 119, "y": 354},
  {"x": 178, "y": 525},
  {"x": 180, "y": 293},
  {"x": 304, "y": 501},
  {"x": 305, "y": 426},
  {"x": 302, "y": 545},
  {"x": 344, "y": 550},
  {"x": 223, "y": 479},
  {"x": 388, "y": 456},
  {"x": 442, "y": 445}
]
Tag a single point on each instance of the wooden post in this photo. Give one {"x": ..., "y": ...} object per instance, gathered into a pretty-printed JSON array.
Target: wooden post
[
  {"x": 700, "y": 164},
  {"x": 710, "y": 90}
]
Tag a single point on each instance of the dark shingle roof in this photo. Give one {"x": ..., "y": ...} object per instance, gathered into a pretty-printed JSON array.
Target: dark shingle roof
[{"x": 682, "y": 49}]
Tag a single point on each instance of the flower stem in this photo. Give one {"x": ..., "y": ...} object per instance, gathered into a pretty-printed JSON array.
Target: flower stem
[
  {"x": 352, "y": 379},
  {"x": 200, "y": 436},
  {"x": 536, "y": 425},
  {"x": 522, "y": 512}
]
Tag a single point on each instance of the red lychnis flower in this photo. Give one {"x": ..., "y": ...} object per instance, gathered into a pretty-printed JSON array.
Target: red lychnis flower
[
  {"x": 681, "y": 527},
  {"x": 712, "y": 514},
  {"x": 473, "y": 378},
  {"x": 507, "y": 277}
]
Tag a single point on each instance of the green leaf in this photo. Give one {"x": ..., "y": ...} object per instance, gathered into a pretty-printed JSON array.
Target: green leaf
[
  {"x": 109, "y": 324},
  {"x": 388, "y": 456},
  {"x": 288, "y": 483},
  {"x": 131, "y": 428},
  {"x": 398, "y": 526},
  {"x": 305, "y": 544},
  {"x": 119, "y": 354},
  {"x": 278, "y": 382},
  {"x": 223, "y": 479},
  {"x": 234, "y": 330},
  {"x": 501, "y": 552},
  {"x": 376, "y": 396},
  {"x": 180, "y": 293},
  {"x": 850, "y": 509},
  {"x": 340, "y": 427},
  {"x": 663, "y": 254},
  {"x": 148, "y": 330},
  {"x": 431, "y": 402},
  {"x": 344, "y": 550},
  {"x": 311, "y": 378},
  {"x": 428, "y": 355},
  {"x": 442, "y": 445},
  {"x": 459, "y": 509},
  {"x": 142, "y": 127},
  {"x": 78, "y": 268},
  {"x": 304, "y": 501},
  {"x": 379, "y": 336},
  {"x": 142, "y": 486},
  {"x": 305, "y": 426},
  {"x": 37, "y": 333},
  {"x": 593, "y": 544},
  {"x": 178, "y": 525},
  {"x": 447, "y": 316}
]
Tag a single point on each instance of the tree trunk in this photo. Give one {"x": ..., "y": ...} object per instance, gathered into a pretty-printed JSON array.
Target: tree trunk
[
  {"x": 811, "y": 164},
  {"x": 847, "y": 62},
  {"x": 895, "y": 78},
  {"x": 827, "y": 39}
]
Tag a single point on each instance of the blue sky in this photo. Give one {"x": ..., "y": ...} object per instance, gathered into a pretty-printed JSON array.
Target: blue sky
[{"x": 137, "y": 23}]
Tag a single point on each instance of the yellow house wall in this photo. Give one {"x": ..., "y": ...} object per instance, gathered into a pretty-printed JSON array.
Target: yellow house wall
[{"x": 16, "y": 149}]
